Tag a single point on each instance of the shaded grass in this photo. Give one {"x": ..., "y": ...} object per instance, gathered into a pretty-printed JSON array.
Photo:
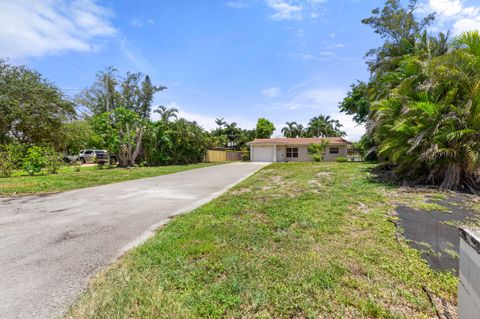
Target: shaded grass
[
  {"x": 296, "y": 240},
  {"x": 67, "y": 178}
]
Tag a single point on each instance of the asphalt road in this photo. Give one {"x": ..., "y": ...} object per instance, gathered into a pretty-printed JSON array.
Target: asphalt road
[{"x": 50, "y": 246}]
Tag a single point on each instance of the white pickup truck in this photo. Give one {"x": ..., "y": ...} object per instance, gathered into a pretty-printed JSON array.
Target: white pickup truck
[{"x": 96, "y": 156}]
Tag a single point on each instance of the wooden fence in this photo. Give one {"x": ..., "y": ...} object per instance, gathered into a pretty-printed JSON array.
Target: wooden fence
[{"x": 223, "y": 156}]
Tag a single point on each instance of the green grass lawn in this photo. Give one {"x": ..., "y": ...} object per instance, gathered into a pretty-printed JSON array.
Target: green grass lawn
[
  {"x": 67, "y": 178},
  {"x": 296, "y": 240}
]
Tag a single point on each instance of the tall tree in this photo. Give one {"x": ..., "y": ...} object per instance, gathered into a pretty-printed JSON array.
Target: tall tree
[
  {"x": 324, "y": 126},
  {"x": 121, "y": 131},
  {"x": 399, "y": 27},
  {"x": 290, "y": 130},
  {"x": 430, "y": 127},
  {"x": 110, "y": 91},
  {"x": 357, "y": 102},
  {"x": 32, "y": 109},
  {"x": 264, "y": 128},
  {"x": 220, "y": 122}
]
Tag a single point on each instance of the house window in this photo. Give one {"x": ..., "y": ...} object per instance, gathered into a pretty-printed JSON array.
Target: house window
[
  {"x": 334, "y": 150},
  {"x": 292, "y": 152}
]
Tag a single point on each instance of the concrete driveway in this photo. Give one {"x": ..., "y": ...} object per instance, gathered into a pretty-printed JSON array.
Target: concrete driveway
[{"x": 51, "y": 245}]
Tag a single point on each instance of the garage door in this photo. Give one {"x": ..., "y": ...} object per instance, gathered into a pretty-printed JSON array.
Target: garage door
[{"x": 263, "y": 154}]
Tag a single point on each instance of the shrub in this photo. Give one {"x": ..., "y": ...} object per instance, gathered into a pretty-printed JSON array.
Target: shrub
[
  {"x": 53, "y": 161},
  {"x": 34, "y": 161},
  {"x": 245, "y": 157},
  {"x": 10, "y": 155},
  {"x": 341, "y": 159},
  {"x": 317, "y": 150}
]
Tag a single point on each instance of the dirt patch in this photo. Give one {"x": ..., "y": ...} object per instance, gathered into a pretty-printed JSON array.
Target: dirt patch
[
  {"x": 240, "y": 191},
  {"x": 434, "y": 232},
  {"x": 320, "y": 174}
]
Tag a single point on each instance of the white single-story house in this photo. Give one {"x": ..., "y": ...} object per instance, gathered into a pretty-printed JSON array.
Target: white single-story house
[{"x": 295, "y": 149}]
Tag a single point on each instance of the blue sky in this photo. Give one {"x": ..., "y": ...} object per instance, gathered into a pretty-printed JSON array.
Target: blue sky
[{"x": 286, "y": 60}]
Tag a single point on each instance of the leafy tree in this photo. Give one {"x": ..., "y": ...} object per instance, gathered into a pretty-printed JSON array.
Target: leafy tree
[
  {"x": 78, "y": 135},
  {"x": 399, "y": 27},
  {"x": 10, "y": 158},
  {"x": 32, "y": 109},
  {"x": 264, "y": 128},
  {"x": 103, "y": 95},
  {"x": 357, "y": 102},
  {"x": 134, "y": 92},
  {"x": 394, "y": 23}
]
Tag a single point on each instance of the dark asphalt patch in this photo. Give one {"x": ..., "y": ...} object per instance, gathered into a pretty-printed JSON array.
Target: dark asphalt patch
[{"x": 430, "y": 232}]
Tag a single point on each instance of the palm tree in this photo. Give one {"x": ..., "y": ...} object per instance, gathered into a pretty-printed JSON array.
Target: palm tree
[
  {"x": 324, "y": 126},
  {"x": 429, "y": 126},
  {"x": 470, "y": 41},
  {"x": 220, "y": 122},
  {"x": 299, "y": 130},
  {"x": 166, "y": 113},
  {"x": 290, "y": 129}
]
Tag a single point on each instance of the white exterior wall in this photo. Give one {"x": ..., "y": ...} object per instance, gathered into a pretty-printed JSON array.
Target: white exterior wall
[
  {"x": 469, "y": 285},
  {"x": 278, "y": 153},
  {"x": 342, "y": 152},
  {"x": 303, "y": 155}
]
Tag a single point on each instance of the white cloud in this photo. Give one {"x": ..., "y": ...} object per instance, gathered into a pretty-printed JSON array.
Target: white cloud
[
  {"x": 237, "y": 4},
  {"x": 307, "y": 100},
  {"x": 38, "y": 28},
  {"x": 272, "y": 92},
  {"x": 137, "y": 22},
  {"x": 354, "y": 131},
  {"x": 463, "y": 25},
  {"x": 455, "y": 13},
  {"x": 284, "y": 10},
  {"x": 294, "y": 9},
  {"x": 309, "y": 97}
]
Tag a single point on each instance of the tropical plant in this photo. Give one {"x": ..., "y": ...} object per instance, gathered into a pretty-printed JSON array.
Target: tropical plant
[
  {"x": 317, "y": 150},
  {"x": 34, "y": 160},
  {"x": 324, "y": 126},
  {"x": 121, "y": 131},
  {"x": 220, "y": 122},
  {"x": 166, "y": 113},
  {"x": 290, "y": 130},
  {"x": 429, "y": 128}
]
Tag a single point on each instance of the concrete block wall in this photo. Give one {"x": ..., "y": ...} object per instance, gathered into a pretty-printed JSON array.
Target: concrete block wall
[{"x": 469, "y": 285}]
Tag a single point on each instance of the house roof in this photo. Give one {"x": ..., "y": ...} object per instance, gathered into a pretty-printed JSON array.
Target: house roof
[{"x": 299, "y": 141}]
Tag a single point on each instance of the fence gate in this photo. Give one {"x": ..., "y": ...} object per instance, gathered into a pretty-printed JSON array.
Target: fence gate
[{"x": 223, "y": 156}]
